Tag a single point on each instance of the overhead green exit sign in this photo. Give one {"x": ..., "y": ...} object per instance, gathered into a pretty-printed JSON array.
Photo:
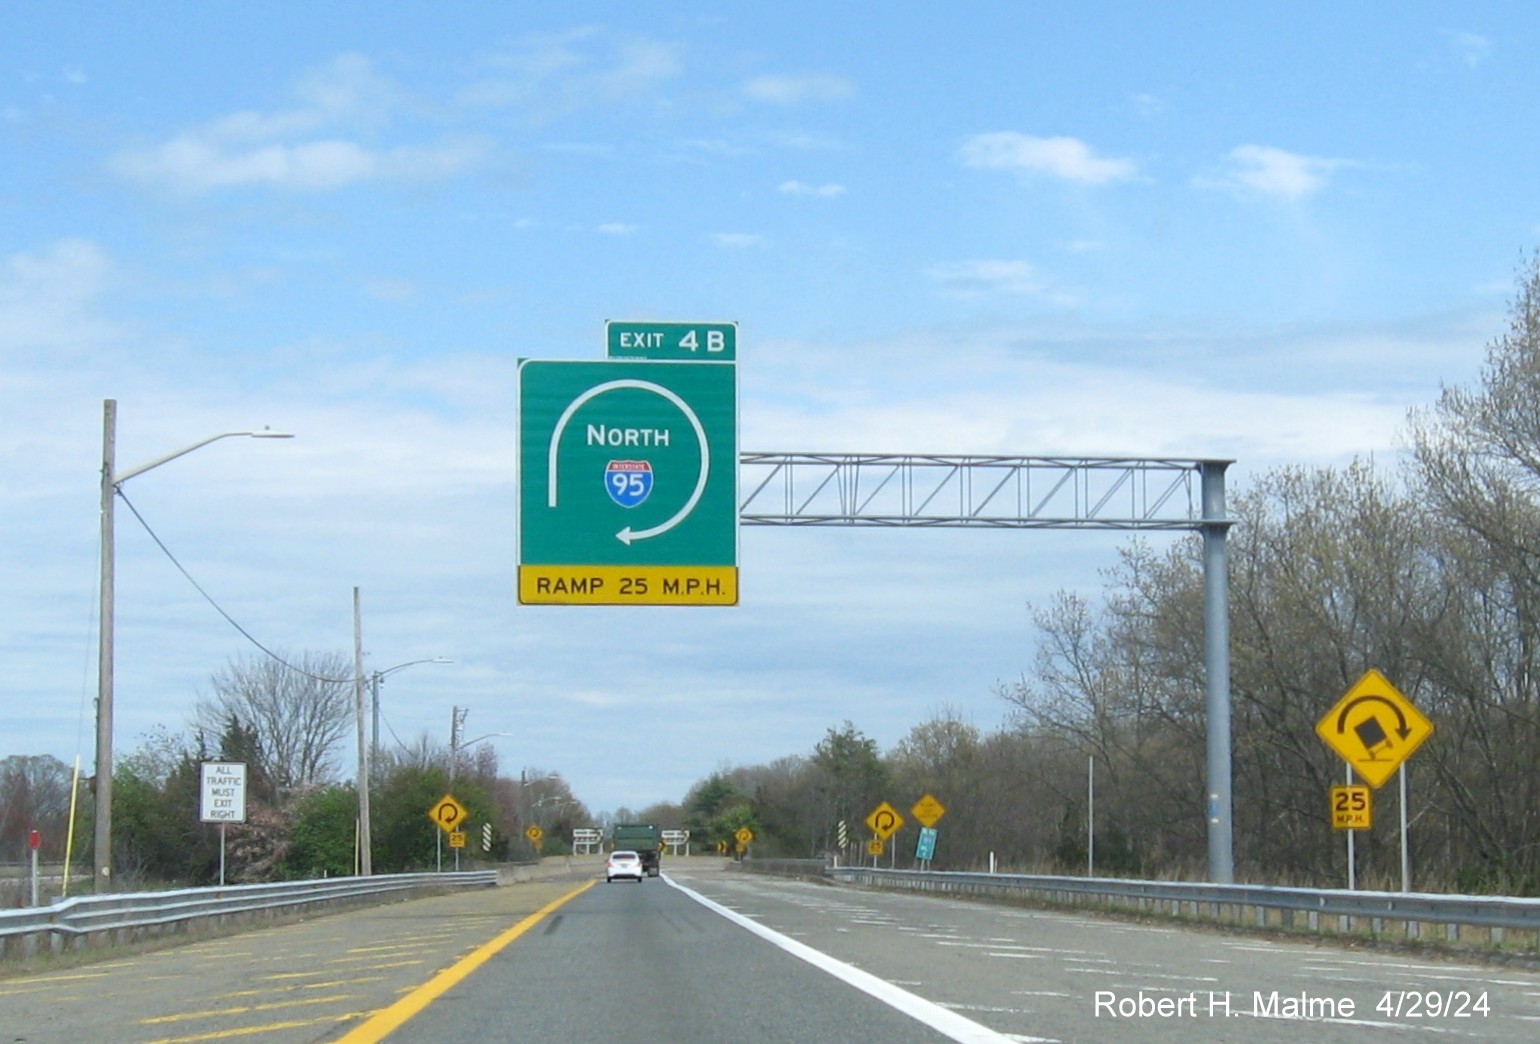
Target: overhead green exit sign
[
  {"x": 628, "y": 483},
  {"x": 681, "y": 342}
]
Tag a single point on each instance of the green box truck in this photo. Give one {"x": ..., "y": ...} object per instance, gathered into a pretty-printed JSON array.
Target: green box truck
[{"x": 645, "y": 839}]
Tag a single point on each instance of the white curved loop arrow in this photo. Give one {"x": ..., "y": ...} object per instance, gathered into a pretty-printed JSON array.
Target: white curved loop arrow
[{"x": 627, "y": 535}]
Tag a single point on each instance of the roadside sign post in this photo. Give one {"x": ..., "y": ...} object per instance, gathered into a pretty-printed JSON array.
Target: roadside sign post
[
  {"x": 222, "y": 793},
  {"x": 1375, "y": 729},
  {"x": 884, "y": 821},
  {"x": 628, "y": 483},
  {"x": 448, "y": 813},
  {"x": 34, "y": 842},
  {"x": 928, "y": 811},
  {"x": 925, "y": 848}
]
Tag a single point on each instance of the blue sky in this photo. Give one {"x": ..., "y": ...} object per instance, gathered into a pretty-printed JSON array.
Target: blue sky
[{"x": 1260, "y": 232}]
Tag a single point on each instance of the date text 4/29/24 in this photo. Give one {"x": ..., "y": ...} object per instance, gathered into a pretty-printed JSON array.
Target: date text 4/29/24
[{"x": 628, "y": 585}]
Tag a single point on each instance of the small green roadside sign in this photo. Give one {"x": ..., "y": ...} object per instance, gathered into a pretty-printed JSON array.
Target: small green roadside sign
[
  {"x": 628, "y": 482},
  {"x": 680, "y": 342}
]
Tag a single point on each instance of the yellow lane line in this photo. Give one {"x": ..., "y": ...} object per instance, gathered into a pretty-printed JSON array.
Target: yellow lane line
[
  {"x": 251, "y": 1031},
  {"x": 244, "y": 1009},
  {"x": 333, "y": 984},
  {"x": 387, "y": 1020},
  {"x": 36, "y": 980}
]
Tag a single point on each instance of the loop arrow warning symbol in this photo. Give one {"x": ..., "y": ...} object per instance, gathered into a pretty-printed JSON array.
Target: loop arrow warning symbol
[
  {"x": 447, "y": 813},
  {"x": 1374, "y": 728}
]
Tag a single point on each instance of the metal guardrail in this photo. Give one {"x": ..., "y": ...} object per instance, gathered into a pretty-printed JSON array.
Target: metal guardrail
[
  {"x": 111, "y": 919},
  {"x": 1403, "y": 915}
]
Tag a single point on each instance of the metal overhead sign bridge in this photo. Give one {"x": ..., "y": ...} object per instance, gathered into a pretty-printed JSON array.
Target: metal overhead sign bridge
[
  {"x": 653, "y": 428},
  {"x": 933, "y": 490}
]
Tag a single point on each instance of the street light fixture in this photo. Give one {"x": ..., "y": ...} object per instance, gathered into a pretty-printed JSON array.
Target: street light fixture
[
  {"x": 374, "y": 695},
  {"x": 456, "y": 744},
  {"x": 457, "y": 717},
  {"x": 112, "y": 478}
]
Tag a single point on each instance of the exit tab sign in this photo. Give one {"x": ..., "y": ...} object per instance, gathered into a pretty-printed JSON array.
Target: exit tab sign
[{"x": 672, "y": 342}]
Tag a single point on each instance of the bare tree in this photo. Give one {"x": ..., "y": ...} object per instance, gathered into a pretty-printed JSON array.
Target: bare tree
[
  {"x": 1477, "y": 454},
  {"x": 34, "y": 795},
  {"x": 301, "y": 709}
]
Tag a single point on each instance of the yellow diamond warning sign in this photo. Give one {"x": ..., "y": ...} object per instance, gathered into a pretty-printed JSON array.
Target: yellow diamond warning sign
[
  {"x": 1374, "y": 728},
  {"x": 884, "y": 821},
  {"x": 928, "y": 810},
  {"x": 447, "y": 813}
]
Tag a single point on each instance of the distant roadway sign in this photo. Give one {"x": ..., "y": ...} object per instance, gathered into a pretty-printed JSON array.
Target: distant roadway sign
[
  {"x": 222, "y": 786},
  {"x": 683, "y": 342},
  {"x": 447, "y": 813},
  {"x": 628, "y": 483},
  {"x": 884, "y": 821},
  {"x": 928, "y": 810}
]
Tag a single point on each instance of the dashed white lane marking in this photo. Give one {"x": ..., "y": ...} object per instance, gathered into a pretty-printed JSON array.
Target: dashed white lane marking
[{"x": 948, "y": 1023}]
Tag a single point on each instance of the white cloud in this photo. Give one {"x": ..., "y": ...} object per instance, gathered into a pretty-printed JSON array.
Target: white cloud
[
  {"x": 344, "y": 91},
  {"x": 292, "y": 149},
  {"x": 737, "y": 239},
  {"x": 550, "y": 75},
  {"x": 1471, "y": 48},
  {"x": 802, "y": 141},
  {"x": 799, "y": 188},
  {"x": 1148, "y": 105},
  {"x": 976, "y": 278},
  {"x": 191, "y": 163},
  {"x": 396, "y": 291},
  {"x": 1267, "y": 171},
  {"x": 792, "y": 90},
  {"x": 618, "y": 228},
  {"x": 1067, "y": 158},
  {"x": 719, "y": 147},
  {"x": 46, "y": 298}
]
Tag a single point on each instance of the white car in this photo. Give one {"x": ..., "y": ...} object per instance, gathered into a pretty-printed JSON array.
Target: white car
[{"x": 624, "y": 864}]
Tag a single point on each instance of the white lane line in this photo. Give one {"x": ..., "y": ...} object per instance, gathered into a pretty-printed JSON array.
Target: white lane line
[{"x": 948, "y": 1023}]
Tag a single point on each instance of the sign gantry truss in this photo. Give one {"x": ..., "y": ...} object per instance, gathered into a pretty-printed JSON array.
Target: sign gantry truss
[
  {"x": 1090, "y": 493},
  {"x": 931, "y": 490}
]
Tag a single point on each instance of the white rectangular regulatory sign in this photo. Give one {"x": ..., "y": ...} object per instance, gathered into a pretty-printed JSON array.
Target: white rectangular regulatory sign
[{"x": 223, "y": 789}]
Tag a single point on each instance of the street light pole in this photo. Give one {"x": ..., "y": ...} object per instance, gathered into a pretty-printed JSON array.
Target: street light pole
[
  {"x": 374, "y": 697},
  {"x": 112, "y": 478},
  {"x": 365, "y": 862},
  {"x": 456, "y": 744},
  {"x": 101, "y": 851},
  {"x": 456, "y": 721},
  {"x": 365, "y": 841}
]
